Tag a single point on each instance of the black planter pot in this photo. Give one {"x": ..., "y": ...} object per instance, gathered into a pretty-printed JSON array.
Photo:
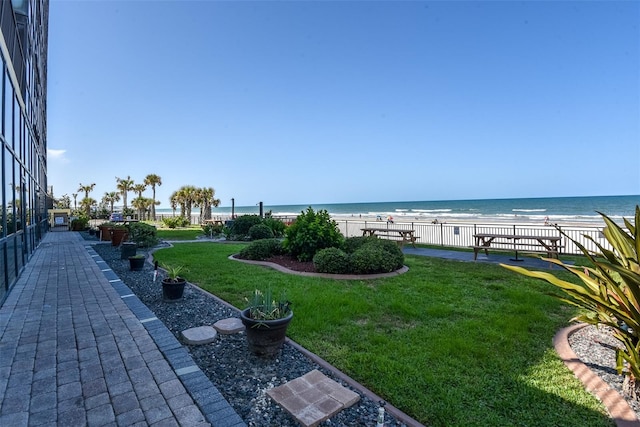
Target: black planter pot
[
  {"x": 265, "y": 337},
  {"x": 172, "y": 290},
  {"x": 135, "y": 263},
  {"x": 127, "y": 250}
]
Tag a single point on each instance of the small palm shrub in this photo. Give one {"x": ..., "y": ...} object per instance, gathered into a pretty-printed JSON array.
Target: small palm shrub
[
  {"x": 175, "y": 222},
  {"x": 212, "y": 229},
  {"x": 311, "y": 232},
  {"x": 277, "y": 227},
  {"x": 260, "y": 231},
  {"x": 260, "y": 250},
  {"x": 610, "y": 291},
  {"x": 332, "y": 260},
  {"x": 144, "y": 235}
]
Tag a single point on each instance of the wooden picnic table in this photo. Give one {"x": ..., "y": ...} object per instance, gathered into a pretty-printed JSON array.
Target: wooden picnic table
[
  {"x": 402, "y": 236},
  {"x": 483, "y": 241}
]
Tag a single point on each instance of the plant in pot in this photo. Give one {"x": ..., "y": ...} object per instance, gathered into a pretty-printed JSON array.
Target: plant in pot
[
  {"x": 172, "y": 284},
  {"x": 266, "y": 320},
  {"x": 136, "y": 262},
  {"x": 105, "y": 231},
  {"x": 119, "y": 234}
]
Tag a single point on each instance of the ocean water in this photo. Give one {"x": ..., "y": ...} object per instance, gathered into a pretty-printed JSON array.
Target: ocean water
[{"x": 555, "y": 209}]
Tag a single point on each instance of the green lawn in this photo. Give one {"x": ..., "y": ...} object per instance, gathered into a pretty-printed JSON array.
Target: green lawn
[{"x": 449, "y": 343}]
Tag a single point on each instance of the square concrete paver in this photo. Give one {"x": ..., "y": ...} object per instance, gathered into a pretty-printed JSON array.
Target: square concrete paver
[{"x": 313, "y": 398}]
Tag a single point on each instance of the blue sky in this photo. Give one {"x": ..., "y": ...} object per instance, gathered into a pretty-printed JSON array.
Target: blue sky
[{"x": 337, "y": 102}]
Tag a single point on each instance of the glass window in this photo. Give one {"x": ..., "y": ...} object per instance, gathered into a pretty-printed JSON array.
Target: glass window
[
  {"x": 7, "y": 119},
  {"x": 8, "y": 192}
]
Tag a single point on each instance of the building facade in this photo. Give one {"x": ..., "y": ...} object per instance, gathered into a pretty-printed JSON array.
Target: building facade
[{"x": 23, "y": 86}]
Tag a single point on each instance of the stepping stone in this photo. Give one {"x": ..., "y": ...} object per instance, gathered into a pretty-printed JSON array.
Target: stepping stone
[
  {"x": 199, "y": 335},
  {"x": 228, "y": 326},
  {"x": 313, "y": 398}
]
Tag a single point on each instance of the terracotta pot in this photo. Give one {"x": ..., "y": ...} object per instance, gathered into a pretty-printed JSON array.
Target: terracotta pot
[
  {"x": 118, "y": 235},
  {"x": 265, "y": 337},
  {"x": 105, "y": 233}
]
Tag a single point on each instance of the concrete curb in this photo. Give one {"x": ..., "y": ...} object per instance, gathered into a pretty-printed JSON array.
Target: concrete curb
[
  {"x": 282, "y": 269},
  {"x": 618, "y": 408}
]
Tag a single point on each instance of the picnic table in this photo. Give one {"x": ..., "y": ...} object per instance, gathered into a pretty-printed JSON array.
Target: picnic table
[
  {"x": 483, "y": 241},
  {"x": 401, "y": 235}
]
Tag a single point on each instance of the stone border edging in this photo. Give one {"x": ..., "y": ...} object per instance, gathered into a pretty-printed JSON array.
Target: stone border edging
[
  {"x": 282, "y": 269},
  {"x": 618, "y": 408}
]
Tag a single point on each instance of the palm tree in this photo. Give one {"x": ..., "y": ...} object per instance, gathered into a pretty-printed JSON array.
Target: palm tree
[
  {"x": 87, "y": 189},
  {"x": 75, "y": 201},
  {"x": 124, "y": 185},
  {"x": 153, "y": 180},
  {"x": 142, "y": 204},
  {"x": 188, "y": 194},
  {"x": 86, "y": 203},
  {"x": 139, "y": 189},
  {"x": 206, "y": 200},
  {"x": 111, "y": 198}
]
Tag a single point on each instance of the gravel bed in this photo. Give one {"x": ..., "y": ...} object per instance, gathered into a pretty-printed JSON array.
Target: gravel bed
[
  {"x": 596, "y": 347},
  {"x": 241, "y": 377}
]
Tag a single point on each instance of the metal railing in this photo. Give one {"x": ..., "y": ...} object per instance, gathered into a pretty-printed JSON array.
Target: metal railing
[{"x": 461, "y": 234}]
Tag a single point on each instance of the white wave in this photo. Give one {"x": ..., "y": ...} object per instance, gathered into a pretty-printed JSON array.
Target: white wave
[
  {"x": 431, "y": 210},
  {"x": 528, "y": 210}
]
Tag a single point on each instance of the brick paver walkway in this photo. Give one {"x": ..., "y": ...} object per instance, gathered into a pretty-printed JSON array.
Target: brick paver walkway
[{"x": 77, "y": 349}]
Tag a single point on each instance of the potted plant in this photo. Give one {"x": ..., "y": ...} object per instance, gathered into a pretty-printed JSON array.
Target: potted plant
[
  {"x": 266, "y": 321},
  {"x": 136, "y": 262},
  {"x": 172, "y": 284},
  {"x": 118, "y": 234},
  {"x": 105, "y": 231}
]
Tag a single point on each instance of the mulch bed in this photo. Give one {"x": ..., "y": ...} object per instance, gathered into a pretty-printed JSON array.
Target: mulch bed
[{"x": 292, "y": 263}]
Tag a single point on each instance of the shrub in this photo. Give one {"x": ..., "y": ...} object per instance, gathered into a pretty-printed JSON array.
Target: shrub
[
  {"x": 260, "y": 231},
  {"x": 80, "y": 223},
  {"x": 610, "y": 291},
  {"x": 277, "y": 227},
  {"x": 242, "y": 224},
  {"x": 311, "y": 232},
  {"x": 351, "y": 244},
  {"x": 261, "y": 249},
  {"x": 332, "y": 260},
  {"x": 212, "y": 229},
  {"x": 176, "y": 221},
  {"x": 144, "y": 235},
  {"x": 374, "y": 255}
]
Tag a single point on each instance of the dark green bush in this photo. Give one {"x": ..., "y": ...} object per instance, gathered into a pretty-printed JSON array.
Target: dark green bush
[
  {"x": 377, "y": 256},
  {"x": 176, "y": 222},
  {"x": 260, "y": 231},
  {"x": 311, "y": 232},
  {"x": 370, "y": 259},
  {"x": 145, "y": 235},
  {"x": 352, "y": 244},
  {"x": 332, "y": 260},
  {"x": 242, "y": 224},
  {"x": 80, "y": 223},
  {"x": 277, "y": 227},
  {"x": 260, "y": 250}
]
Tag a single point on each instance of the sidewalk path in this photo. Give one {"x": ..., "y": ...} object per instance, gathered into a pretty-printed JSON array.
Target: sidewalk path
[{"x": 77, "y": 348}]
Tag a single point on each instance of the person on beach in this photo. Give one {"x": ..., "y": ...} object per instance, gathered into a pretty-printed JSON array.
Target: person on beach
[{"x": 389, "y": 219}]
